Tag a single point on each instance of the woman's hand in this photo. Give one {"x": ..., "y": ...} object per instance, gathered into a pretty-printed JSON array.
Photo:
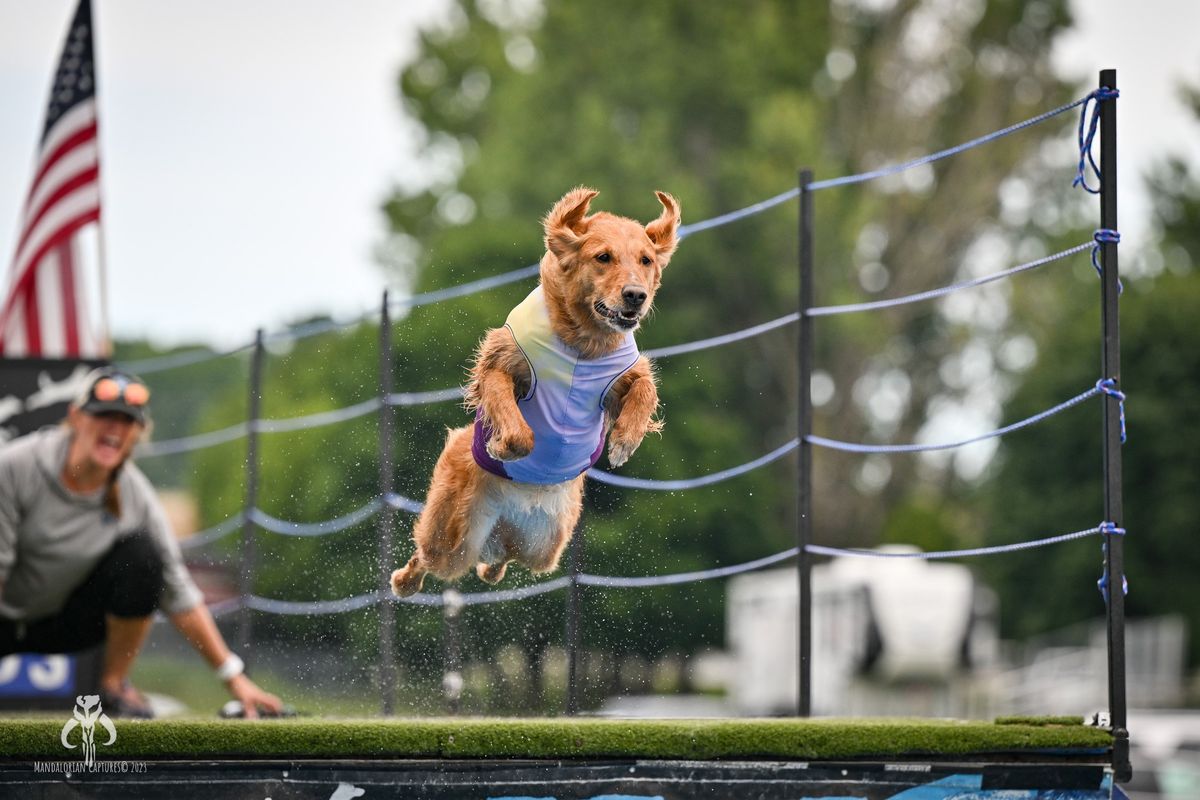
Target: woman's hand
[{"x": 252, "y": 697}]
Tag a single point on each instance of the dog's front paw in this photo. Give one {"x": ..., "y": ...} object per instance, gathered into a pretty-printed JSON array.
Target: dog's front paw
[
  {"x": 620, "y": 448},
  {"x": 510, "y": 446}
]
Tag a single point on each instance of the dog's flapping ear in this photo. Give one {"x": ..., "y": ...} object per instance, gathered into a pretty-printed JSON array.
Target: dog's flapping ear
[
  {"x": 566, "y": 223},
  {"x": 663, "y": 230}
]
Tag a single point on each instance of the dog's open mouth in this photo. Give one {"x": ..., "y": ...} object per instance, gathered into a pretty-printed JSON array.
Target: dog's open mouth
[{"x": 622, "y": 320}]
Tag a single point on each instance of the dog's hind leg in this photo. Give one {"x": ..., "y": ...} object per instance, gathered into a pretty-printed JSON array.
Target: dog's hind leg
[
  {"x": 491, "y": 573},
  {"x": 441, "y": 531},
  {"x": 448, "y": 535},
  {"x": 408, "y": 579},
  {"x": 494, "y": 556},
  {"x": 430, "y": 533}
]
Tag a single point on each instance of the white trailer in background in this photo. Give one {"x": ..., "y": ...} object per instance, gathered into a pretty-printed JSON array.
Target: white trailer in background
[{"x": 903, "y": 621}]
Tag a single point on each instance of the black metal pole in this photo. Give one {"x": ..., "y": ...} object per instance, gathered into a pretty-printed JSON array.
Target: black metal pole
[
  {"x": 573, "y": 632},
  {"x": 386, "y": 521},
  {"x": 804, "y": 428},
  {"x": 249, "y": 550},
  {"x": 1114, "y": 562}
]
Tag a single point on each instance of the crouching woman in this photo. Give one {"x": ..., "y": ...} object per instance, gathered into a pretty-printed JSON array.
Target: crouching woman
[{"x": 86, "y": 553}]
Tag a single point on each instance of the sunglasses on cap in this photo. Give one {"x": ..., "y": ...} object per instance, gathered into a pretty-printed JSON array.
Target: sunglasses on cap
[
  {"x": 120, "y": 388},
  {"x": 112, "y": 390}
]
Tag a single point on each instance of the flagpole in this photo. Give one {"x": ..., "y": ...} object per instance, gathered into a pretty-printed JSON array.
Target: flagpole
[{"x": 106, "y": 344}]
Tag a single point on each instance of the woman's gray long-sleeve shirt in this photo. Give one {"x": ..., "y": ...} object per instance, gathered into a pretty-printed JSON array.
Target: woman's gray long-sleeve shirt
[{"x": 52, "y": 538}]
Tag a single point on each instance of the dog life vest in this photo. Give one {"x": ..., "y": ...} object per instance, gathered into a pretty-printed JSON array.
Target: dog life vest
[{"x": 565, "y": 404}]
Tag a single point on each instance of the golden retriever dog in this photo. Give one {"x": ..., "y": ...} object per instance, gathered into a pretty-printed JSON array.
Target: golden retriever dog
[{"x": 548, "y": 388}]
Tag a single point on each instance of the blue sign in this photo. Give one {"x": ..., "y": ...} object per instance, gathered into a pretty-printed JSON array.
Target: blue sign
[{"x": 33, "y": 675}]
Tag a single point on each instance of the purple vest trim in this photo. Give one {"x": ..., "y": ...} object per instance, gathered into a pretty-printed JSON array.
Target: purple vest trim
[{"x": 483, "y": 432}]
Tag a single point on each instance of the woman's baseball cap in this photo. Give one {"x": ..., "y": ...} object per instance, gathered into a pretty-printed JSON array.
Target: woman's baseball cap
[{"x": 110, "y": 389}]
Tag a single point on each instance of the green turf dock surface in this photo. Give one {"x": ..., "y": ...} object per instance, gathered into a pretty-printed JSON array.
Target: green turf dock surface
[{"x": 782, "y": 739}]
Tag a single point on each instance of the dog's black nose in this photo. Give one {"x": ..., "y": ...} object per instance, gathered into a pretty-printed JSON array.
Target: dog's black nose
[{"x": 634, "y": 296}]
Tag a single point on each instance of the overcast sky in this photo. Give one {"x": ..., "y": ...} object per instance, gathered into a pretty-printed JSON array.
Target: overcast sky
[{"x": 246, "y": 146}]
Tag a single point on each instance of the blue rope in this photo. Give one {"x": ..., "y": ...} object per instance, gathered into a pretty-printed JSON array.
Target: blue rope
[
  {"x": 210, "y": 535},
  {"x": 312, "y": 608},
  {"x": 463, "y": 289},
  {"x": 217, "y": 609},
  {"x": 402, "y": 503},
  {"x": 852, "y": 447},
  {"x": 403, "y": 399},
  {"x": 717, "y": 341},
  {"x": 483, "y": 598},
  {"x": 1103, "y": 585},
  {"x": 977, "y": 551},
  {"x": 202, "y": 440},
  {"x": 146, "y": 366},
  {"x": 507, "y": 595},
  {"x": 824, "y": 311},
  {"x": 1085, "y": 142},
  {"x": 1110, "y": 529},
  {"x": 310, "y": 329},
  {"x": 357, "y": 602},
  {"x": 317, "y": 420},
  {"x": 916, "y": 162},
  {"x": 269, "y": 523},
  {"x": 1109, "y": 387},
  {"x": 188, "y": 443},
  {"x": 1101, "y": 236},
  {"x": 732, "y": 216},
  {"x": 275, "y": 525},
  {"x": 685, "y": 577},
  {"x": 692, "y": 483}
]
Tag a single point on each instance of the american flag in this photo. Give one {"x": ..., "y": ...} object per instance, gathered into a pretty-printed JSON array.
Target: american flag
[{"x": 44, "y": 313}]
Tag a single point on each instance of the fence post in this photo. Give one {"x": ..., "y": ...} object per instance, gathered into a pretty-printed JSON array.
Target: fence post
[
  {"x": 249, "y": 550},
  {"x": 573, "y": 631},
  {"x": 804, "y": 499},
  {"x": 1114, "y": 561},
  {"x": 385, "y": 522}
]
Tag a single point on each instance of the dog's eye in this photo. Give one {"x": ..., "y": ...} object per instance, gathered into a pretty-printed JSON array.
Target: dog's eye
[
  {"x": 604, "y": 258},
  {"x": 645, "y": 261}
]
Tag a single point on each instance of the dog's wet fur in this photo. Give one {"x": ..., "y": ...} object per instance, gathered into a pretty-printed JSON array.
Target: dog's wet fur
[{"x": 599, "y": 275}]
